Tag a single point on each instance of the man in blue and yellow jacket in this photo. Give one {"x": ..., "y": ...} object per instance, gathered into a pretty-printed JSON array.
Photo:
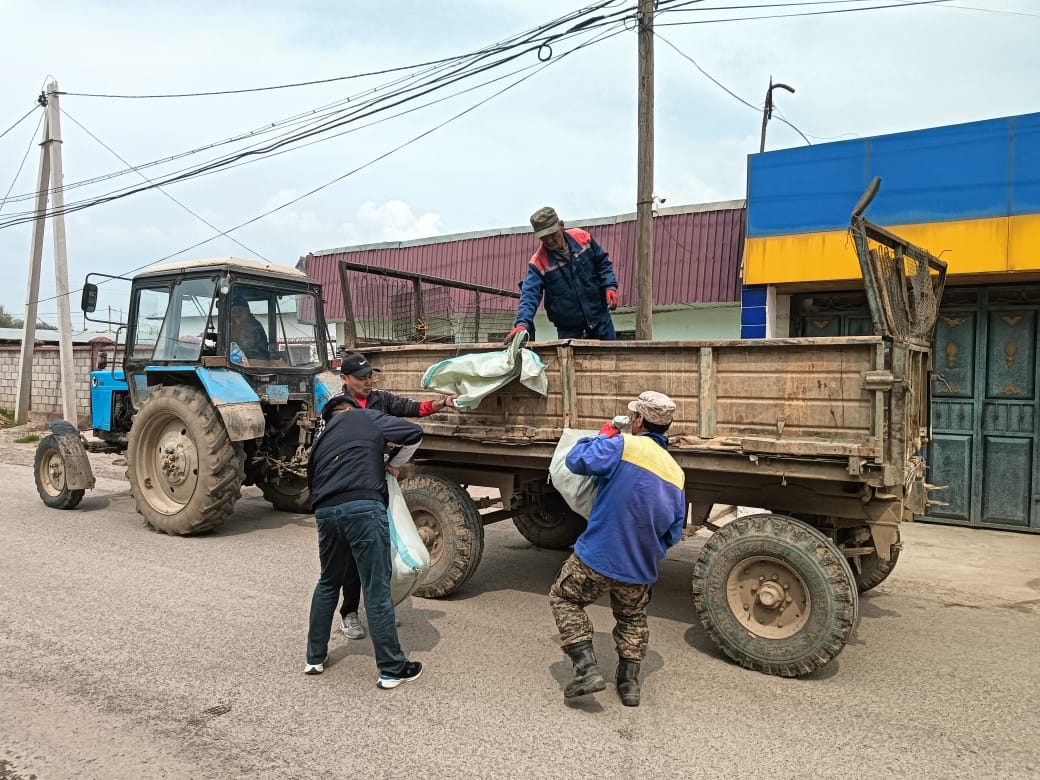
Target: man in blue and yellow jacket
[
  {"x": 575, "y": 277},
  {"x": 638, "y": 513}
]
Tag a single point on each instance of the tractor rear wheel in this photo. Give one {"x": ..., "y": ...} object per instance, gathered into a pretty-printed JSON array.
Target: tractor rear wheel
[{"x": 185, "y": 473}]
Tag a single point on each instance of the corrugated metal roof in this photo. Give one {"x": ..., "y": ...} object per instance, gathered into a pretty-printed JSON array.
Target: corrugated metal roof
[{"x": 697, "y": 253}]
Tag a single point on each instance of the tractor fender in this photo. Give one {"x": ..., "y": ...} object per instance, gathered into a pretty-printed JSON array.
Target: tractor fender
[
  {"x": 73, "y": 449},
  {"x": 237, "y": 402}
]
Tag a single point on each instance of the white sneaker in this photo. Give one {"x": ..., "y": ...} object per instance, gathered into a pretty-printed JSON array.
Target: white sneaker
[
  {"x": 315, "y": 668},
  {"x": 352, "y": 626}
]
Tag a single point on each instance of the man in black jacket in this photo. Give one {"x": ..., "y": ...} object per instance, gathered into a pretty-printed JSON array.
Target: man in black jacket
[
  {"x": 347, "y": 477},
  {"x": 359, "y": 376}
]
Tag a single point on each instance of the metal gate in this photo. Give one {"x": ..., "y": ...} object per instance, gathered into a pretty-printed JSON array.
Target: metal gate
[{"x": 985, "y": 405}]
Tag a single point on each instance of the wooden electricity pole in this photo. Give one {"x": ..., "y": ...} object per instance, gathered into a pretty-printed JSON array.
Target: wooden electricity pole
[
  {"x": 49, "y": 181},
  {"x": 645, "y": 176}
]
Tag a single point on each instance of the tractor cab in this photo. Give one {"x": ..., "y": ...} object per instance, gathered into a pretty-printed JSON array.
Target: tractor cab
[{"x": 225, "y": 367}]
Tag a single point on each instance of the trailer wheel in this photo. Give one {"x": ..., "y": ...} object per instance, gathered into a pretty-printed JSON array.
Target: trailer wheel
[
  {"x": 450, "y": 526},
  {"x": 869, "y": 571},
  {"x": 551, "y": 530},
  {"x": 185, "y": 473},
  {"x": 287, "y": 494},
  {"x": 775, "y": 594},
  {"x": 49, "y": 470}
]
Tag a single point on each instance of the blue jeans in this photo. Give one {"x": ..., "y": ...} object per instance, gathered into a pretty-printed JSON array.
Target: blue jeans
[
  {"x": 602, "y": 330},
  {"x": 356, "y": 532}
]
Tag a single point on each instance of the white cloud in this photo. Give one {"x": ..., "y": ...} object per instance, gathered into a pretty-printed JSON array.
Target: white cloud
[{"x": 394, "y": 220}]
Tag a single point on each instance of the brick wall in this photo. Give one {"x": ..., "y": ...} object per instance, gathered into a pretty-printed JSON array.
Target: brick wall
[{"x": 45, "y": 400}]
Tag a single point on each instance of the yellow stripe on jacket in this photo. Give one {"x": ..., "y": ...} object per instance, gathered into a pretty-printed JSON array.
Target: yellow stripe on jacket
[{"x": 644, "y": 452}]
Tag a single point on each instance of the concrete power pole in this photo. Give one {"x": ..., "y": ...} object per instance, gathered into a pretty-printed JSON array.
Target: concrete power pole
[
  {"x": 50, "y": 178},
  {"x": 645, "y": 176}
]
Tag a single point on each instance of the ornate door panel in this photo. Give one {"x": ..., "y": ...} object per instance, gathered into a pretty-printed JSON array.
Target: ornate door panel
[
  {"x": 951, "y": 454},
  {"x": 1008, "y": 420},
  {"x": 985, "y": 398}
]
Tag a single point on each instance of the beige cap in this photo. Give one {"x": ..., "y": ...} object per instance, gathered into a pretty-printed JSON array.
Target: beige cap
[{"x": 655, "y": 407}]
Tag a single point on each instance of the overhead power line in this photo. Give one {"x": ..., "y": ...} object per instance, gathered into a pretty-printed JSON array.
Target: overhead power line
[
  {"x": 24, "y": 117},
  {"x": 604, "y": 35},
  {"x": 201, "y": 219},
  {"x": 25, "y": 156},
  {"x": 723, "y": 87},
  {"x": 858, "y": 9},
  {"x": 323, "y": 125}
]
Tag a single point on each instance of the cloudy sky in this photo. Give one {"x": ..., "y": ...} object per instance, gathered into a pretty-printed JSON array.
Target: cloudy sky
[{"x": 565, "y": 135}]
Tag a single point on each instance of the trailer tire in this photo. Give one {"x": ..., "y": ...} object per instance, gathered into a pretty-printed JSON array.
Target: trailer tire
[
  {"x": 451, "y": 528},
  {"x": 872, "y": 571},
  {"x": 185, "y": 473},
  {"x": 49, "y": 471},
  {"x": 757, "y": 567},
  {"x": 551, "y": 530},
  {"x": 289, "y": 494}
]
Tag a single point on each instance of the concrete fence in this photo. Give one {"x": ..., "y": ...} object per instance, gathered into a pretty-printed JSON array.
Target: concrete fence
[{"x": 45, "y": 400}]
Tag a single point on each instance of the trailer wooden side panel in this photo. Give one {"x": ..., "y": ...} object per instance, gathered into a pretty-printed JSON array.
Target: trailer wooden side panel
[{"x": 804, "y": 397}]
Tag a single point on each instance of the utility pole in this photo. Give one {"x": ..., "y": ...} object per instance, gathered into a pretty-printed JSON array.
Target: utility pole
[
  {"x": 645, "y": 176},
  {"x": 50, "y": 179},
  {"x": 767, "y": 109}
]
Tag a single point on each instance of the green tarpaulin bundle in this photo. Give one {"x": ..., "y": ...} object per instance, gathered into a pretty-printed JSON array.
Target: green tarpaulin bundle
[{"x": 478, "y": 374}]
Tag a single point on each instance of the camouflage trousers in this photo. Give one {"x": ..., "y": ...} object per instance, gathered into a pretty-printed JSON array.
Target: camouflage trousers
[{"x": 577, "y": 586}]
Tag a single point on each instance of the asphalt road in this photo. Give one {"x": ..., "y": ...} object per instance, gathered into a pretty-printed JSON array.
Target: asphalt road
[{"x": 126, "y": 653}]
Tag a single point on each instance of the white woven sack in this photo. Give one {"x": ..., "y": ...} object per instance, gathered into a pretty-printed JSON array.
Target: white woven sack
[
  {"x": 578, "y": 491},
  {"x": 410, "y": 559}
]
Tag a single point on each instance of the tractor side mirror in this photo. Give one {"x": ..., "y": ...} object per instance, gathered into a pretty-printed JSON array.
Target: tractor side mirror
[{"x": 89, "y": 300}]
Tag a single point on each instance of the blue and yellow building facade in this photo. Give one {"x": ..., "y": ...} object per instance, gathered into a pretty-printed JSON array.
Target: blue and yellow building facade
[{"x": 969, "y": 193}]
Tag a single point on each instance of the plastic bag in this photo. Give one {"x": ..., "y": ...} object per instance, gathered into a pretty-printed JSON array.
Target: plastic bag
[
  {"x": 577, "y": 490},
  {"x": 476, "y": 375},
  {"x": 410, "y": 560}
]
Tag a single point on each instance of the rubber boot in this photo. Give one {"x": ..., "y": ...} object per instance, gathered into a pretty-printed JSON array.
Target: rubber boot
[
  {"x": 627, "y": 681},
  {"x": 587, "y": 676}
]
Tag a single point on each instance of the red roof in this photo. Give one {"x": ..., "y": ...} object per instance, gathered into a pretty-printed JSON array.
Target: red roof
[{"x": 697, "y": 252}]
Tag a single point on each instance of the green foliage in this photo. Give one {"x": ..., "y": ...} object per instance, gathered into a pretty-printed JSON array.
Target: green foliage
[
  {"x": 6, "y": 418},
  {"x": 8, "y": 320},
  {"x": 32, "y": 438}
]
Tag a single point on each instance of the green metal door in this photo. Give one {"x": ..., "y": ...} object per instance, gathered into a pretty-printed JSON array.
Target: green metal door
[{"x": 985, "y": 409}]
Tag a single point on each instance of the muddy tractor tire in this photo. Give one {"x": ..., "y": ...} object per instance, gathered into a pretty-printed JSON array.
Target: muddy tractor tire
[
  {"x": 775, "y": 594},
  {"x": 288, "y": 494},
  {"x": 185, "y": 473},
  {"x": 450, "y": 526},
  {"x": 49, "y": 472}
]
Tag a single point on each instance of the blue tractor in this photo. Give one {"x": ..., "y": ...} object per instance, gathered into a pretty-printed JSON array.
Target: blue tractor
[{"x": 226, "y": 365}]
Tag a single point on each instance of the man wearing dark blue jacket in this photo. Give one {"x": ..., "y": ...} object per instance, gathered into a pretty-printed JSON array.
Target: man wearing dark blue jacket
[
  {"x": 638, "y": 513},
  {"x": 359, "y": 377},
  {"x": 347, "y": 477},
  {"x": 574, "y": 276}
]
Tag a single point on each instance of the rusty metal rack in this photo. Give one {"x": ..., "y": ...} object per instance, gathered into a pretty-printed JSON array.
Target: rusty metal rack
[
  {"x": 386, "y": 306},
  {"x": 904, "y": 283}
]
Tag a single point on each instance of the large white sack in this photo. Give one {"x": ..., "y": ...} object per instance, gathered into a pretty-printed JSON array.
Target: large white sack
[
  {"x": 410, "y": 558},
  {"x": 578, "y": 491}
]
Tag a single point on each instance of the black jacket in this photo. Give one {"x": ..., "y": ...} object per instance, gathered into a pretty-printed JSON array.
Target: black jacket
[
  {"x": 378, "y": 401},
  {"x": 346, "y": 462}
]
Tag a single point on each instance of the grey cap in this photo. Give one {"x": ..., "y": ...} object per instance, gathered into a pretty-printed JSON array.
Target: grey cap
[{"x": 655, "y": 407}]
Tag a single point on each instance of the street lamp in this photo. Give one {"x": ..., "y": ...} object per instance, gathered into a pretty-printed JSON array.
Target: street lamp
[{"x": 767, "y": 110}]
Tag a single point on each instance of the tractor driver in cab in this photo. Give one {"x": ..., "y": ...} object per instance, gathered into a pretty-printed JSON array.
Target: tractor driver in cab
[{"x": 247, "y": 332}]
